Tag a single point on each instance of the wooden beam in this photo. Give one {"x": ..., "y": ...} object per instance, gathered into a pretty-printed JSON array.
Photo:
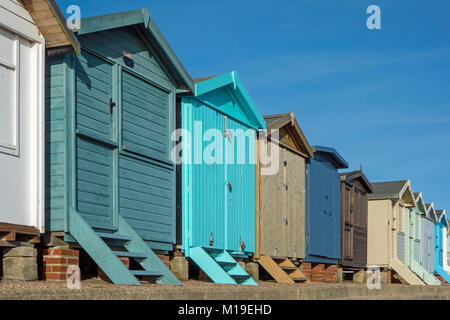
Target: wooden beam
[
  {"x": 19, "y": 229},
  {"x": 8, "y": 236},
  {"x": 13, "y": 244}
]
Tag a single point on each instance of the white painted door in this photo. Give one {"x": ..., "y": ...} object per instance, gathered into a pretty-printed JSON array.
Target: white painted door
[{"x": 21, "y": 130}]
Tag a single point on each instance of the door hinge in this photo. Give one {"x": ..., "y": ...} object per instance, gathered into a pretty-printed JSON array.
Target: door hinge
[{"x": 112, "y": 104}]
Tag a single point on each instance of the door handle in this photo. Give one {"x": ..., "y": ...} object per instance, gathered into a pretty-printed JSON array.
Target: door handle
[
  {"x": 112, "y": 104},
  {"x": 229, "y": 187}
]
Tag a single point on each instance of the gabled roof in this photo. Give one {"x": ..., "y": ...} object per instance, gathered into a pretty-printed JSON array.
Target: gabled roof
[
  {"x": 234, "y": 87},
  {"x": 351, "y": 176},
  {"x": 337, "y": 160},
  {"x": 52, "y": 24},
  {"x": 394, "y": 190},
  {"x": 278, "y": 121},
  {"x": 441, "y": 217},
  {"x": 158, "y": 44},
  {"x": 431, "y": 213},
  {"x": 420, "y": 203}
]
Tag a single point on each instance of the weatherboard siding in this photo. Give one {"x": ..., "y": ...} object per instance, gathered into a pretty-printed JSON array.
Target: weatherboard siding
[
  {"x": 55, "y": 144},
  {"x": 146, "y": 200},
  {"x": 113, "y": 43}
]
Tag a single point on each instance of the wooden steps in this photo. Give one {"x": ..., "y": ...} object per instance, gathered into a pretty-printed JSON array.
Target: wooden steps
[
  {"x": 282, "y": 270},
  {"x": 220, "y": 266},
  {"x": 99, "y": 246}
]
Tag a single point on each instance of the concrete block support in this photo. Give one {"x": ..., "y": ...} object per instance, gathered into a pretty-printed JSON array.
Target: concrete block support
[
  {"x": 20, "y": 264},
  {"x": 360, "y": 276},
  {"x": 180, "y": 268},
  {"x": 253, "y": 270}
]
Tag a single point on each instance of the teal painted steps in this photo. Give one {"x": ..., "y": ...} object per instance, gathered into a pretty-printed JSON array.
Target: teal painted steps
[
  {"x": 220, "y": 266},
  {"x": 441, "y": 272},
  {"x": 98, "y": 246}
]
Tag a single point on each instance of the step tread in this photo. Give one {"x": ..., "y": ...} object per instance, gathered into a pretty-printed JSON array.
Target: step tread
[
  {"x": 214, "y": 250},
  {"x": 299, "y": 278},
  {"x": 226, "y": 263},
  {"x": 131, "y": 254},
  {"x": 286, "y": 268},
  {"x": 240, "y": 276},
  {"x": 110, "y": 236},
  {"x": 146, "y": 273}
]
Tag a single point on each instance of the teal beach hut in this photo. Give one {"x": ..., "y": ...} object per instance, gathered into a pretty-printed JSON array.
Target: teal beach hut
[
  {"x": 220, "y": 124},
  {"x": 110, "y": 115},
  {"x": 413, "y": 240}
]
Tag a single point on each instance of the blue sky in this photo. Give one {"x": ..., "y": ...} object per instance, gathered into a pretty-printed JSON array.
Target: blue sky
[{"x": 380, "y": 97}]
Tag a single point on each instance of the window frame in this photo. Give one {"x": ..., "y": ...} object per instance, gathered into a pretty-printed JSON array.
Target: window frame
[{"x": 14, "y": 148}]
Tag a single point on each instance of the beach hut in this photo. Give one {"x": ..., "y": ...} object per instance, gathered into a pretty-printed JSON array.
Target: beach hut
[
  {"x": 111, "y": 113},
  {"x": 355, "y": 189},
  {"x": 446, "y": 262},
  {"x": 440, "y": 238},
  {"x": 386, "y": 236},
  {"x": 323, "y": 202},
  {"x": 414, "y": 243},
  {"x": 428, "y": 221},
  {"x": 219, "y": 123},
  {"x": 280, "y": 205},
  {"x": 25, "y": 38}
]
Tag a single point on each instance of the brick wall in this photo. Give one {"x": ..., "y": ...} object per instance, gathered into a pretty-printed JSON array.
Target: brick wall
[
  {"x": 317, "y": 272},
  {"x": 56, "y": 261},
  {"x": 165, "y": 259},
  {"x": 330, "y": 274},
  {"x": 305, "y": 267}
]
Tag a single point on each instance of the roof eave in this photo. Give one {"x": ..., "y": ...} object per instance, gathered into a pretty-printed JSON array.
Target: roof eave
[
  {"x": 231, "y": 79},
  {"x": 340, "y": 161}
]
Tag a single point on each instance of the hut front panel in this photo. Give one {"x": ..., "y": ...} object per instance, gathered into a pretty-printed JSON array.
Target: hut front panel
[
  {"x": 347, "y": 211},
  {"x": 273, "y": 228},
  {"x": 323, "y": 226},
  {"x": 145, "y": 117},
  {"x": 295, "y": 205},
  {"x": 55, "y": 143},
  {"x": 354, "y": 226},
  {"x": 205, "y": 194},
  {"x": 378, "y": 232},
  {"x": 428, "y": 245},
  {"x": 240, "y": 175},
  {"x": 95, "y": 166},
  {"x": 146, "y": 200}
]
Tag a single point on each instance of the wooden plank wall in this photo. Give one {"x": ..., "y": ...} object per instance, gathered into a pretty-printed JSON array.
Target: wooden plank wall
[{"x": 281, "y": 216}]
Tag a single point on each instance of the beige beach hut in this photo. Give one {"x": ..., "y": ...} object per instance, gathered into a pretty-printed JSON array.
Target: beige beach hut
[{"x": 387, "y": 229}]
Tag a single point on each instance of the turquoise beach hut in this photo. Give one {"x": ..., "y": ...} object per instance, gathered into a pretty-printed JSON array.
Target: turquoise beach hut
[{"x": 220, "y": 124}]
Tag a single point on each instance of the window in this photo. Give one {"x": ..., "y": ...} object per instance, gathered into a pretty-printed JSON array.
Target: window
[{"x": 9, "y": 89}]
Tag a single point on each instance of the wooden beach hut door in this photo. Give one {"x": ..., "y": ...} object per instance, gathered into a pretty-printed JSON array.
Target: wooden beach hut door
[
  {"x": 349, "y": 208},
  {"x": 95, "y": 146},
  {"x": 439, "y": 246},
  {"x": 239, "y": 188}
]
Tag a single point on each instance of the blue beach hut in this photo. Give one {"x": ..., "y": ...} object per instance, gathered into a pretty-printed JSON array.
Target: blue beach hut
[{"x": 323, "y": 206}]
